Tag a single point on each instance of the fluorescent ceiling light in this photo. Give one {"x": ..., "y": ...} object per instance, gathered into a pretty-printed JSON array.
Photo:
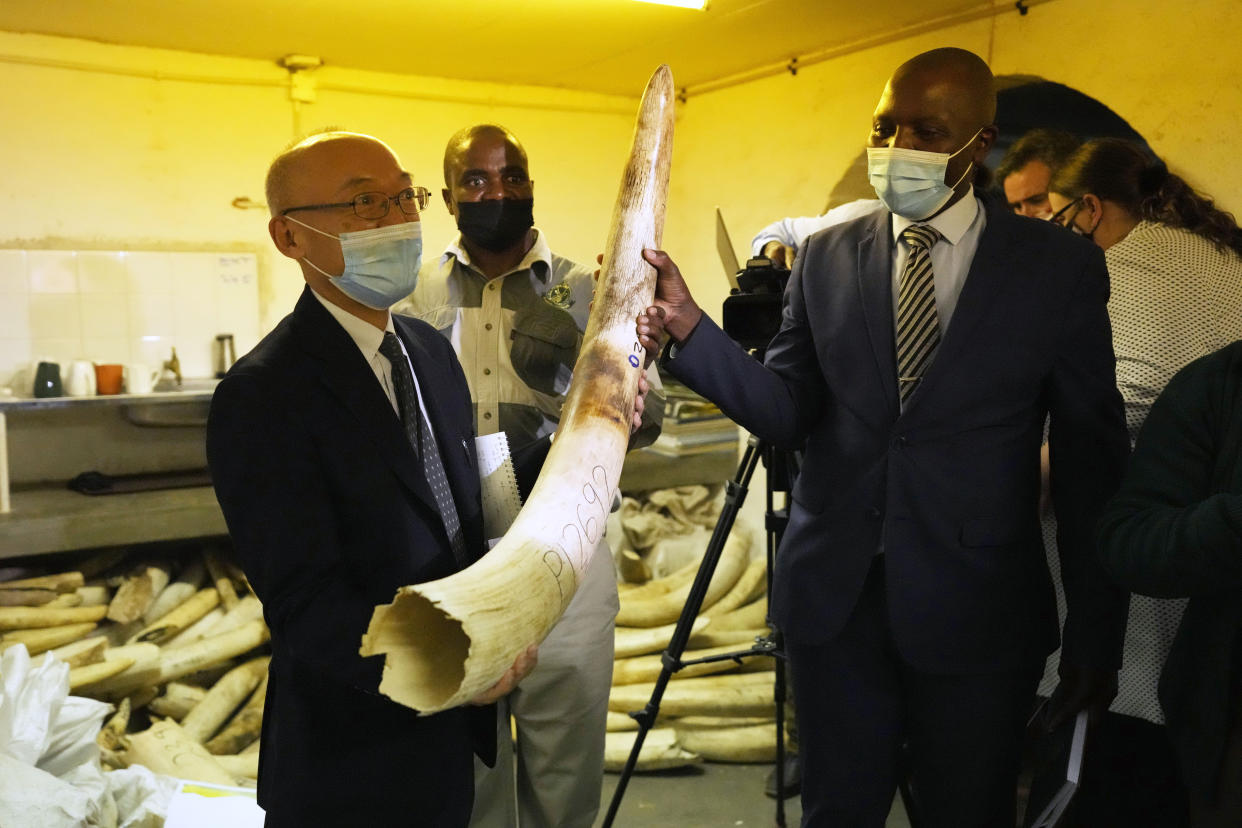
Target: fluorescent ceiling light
[{"x": 685, "y": 4}]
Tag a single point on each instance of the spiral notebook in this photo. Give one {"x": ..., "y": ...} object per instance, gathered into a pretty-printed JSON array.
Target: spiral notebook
[{"x": 501, "y": 500}]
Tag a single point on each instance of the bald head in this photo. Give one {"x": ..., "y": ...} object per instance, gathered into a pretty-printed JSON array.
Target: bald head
[
  {"x": 959, "y": 75},
  {"x": 943, "y": 102},
  {"x": 295, "y": 168},
  {"x": 312, "y": 189}
]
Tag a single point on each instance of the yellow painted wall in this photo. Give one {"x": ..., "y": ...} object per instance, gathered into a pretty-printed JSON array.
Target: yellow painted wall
[{"x": 110, "y": 147}]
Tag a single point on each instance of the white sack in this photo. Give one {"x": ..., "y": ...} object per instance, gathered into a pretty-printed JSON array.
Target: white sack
[
  {"x": 50, "y": 774},
  {"x": 31, "y": 798},
  {"x": 142, "y": 797}
]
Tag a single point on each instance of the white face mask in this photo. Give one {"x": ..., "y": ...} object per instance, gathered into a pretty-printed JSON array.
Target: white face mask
[
  {"x": 911, "y": 182},
  {"x": 381, "y": 264}
]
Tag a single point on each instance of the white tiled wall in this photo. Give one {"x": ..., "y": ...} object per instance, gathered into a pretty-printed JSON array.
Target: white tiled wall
[{"x": 123, "y": 306}]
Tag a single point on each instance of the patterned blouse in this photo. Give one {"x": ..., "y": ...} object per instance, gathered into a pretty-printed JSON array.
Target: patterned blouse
[{"x": 1175, "y": 297}]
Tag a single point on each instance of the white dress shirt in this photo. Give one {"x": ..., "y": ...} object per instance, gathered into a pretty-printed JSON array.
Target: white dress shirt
[
  {"x": 961, "y": 226},
  {"x": 368, "y": 338}
]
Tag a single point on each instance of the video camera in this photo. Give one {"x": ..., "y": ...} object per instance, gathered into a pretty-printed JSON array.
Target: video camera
[{"x": 752, "y": 313}]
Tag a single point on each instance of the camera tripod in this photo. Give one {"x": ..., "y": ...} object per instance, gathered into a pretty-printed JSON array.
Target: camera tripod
[
  {"x": 782, "y": 470},
  {"x": 782, "y": 467}
]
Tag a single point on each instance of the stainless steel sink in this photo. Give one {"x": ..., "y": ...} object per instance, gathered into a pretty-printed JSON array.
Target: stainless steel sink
[
  {"x": 163, "y": 409},
  {"x": 193, "y": 385}
]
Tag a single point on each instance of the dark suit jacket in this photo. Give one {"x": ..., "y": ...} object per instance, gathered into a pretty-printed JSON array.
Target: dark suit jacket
[
  {"x": 329, "y": 515},
  {"x": 948, "y": 488},
  {"x": 1175, "y": 530}
]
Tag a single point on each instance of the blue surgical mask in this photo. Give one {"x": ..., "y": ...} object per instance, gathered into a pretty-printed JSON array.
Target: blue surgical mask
[
  {"x": 381, "y": 265},
  {"x": 911, "y": 182}
]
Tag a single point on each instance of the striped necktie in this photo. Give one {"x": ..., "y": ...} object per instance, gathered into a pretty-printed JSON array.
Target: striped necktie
[
  {"x": 918, "y": 332},
  {"x": 418, "y": 431}
]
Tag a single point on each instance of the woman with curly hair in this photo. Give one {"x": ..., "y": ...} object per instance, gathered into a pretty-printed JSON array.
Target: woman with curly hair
[{"x": 1174, "y": 259}]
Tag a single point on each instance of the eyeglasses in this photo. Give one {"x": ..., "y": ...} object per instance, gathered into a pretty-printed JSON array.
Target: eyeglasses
[
  {"x": 1059, "y": 216},
  {"x": 375, "y": 205}
]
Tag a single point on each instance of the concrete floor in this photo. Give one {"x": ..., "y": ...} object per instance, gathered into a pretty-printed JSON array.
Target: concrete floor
[{"x": 705, "y": 796}]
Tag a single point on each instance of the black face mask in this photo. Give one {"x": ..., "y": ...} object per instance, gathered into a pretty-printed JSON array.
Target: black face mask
[{"x": 496, "y": 224}]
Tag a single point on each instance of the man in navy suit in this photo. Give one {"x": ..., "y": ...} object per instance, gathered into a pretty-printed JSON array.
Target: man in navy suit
[
  {"x": 330, "y": 501},
  {"x": 911, "y": 584}
]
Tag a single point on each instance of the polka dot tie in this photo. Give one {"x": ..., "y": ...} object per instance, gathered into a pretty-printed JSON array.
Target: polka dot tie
[
  {"x": 418, "y": 431},
  {"x": 918, "y": 331}
]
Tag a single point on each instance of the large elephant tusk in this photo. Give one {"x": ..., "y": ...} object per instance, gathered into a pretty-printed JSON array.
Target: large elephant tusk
[
  {"x": 446, "y": 641},
  {"x": 748, "y": 743},
  {"x": 636, "y": 641}
]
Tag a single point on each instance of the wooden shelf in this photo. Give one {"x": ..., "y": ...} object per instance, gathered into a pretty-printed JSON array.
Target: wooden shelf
[{"x": 48, "y": 519}]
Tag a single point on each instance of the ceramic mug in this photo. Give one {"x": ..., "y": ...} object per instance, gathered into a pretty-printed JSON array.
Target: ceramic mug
[
  {"x": 80, "y": 381},
  {"x": 47, "y": 380},
  {"x": 108, "y": 379},
  {"x": 139, "y": 379}
]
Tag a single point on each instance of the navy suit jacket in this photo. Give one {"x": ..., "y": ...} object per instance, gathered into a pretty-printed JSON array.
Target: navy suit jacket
[
  {"x": 329, "y": 515},
  {"x": 949, "y": 487}
]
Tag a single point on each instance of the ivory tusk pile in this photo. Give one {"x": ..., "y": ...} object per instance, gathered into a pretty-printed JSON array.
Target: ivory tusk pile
[
  {"x": 664, "y": 609},
  {"x": 446, "y": 641}
]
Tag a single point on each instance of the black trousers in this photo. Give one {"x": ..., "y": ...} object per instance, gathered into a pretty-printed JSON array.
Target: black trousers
[{"x": 858, "y": 701}]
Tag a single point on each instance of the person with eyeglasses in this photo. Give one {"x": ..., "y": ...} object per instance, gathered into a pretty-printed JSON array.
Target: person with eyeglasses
[
  {"x": 1175, "y": 268},
  {"x": 515, "y": 312},
  {"x": 342, "y": 453}
]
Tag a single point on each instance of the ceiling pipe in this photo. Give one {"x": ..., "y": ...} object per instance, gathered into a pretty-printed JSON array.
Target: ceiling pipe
[
  {"x": 792, "y": 65},
  {"x": 623, "y": 106}
]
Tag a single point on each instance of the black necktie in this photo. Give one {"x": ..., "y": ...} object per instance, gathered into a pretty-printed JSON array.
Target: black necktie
[
  {"x": 918, "y": 331},
  {"x": 424, "y": 443}
]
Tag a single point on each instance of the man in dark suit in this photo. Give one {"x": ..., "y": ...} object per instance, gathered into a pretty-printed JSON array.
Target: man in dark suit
[
  {"x": 916, "y": 369},
  {"x": 320, "y": 443}
]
